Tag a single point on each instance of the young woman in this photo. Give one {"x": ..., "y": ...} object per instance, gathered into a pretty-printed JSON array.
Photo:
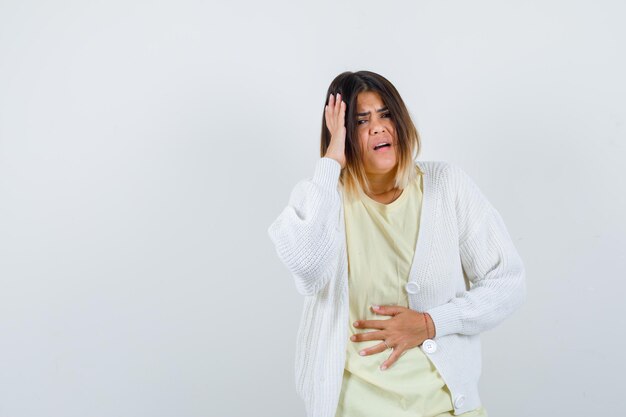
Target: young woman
[{"x": 402, "y": 263}]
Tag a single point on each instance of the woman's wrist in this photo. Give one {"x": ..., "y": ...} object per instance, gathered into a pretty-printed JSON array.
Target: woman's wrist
[{"x": 430, "y": 326}]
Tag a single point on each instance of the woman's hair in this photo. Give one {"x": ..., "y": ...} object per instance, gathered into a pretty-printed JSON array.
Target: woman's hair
[{"x": 349, "y": 85}]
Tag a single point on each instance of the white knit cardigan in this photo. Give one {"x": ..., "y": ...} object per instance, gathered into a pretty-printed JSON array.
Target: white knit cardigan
[{"x": 466, "y": 273}]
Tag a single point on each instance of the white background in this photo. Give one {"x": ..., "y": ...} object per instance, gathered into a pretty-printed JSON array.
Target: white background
[{"x": 146, "y": 146}]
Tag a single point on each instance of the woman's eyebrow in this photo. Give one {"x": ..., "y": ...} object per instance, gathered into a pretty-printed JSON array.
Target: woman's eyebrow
[{"x": 377, "y": 111}]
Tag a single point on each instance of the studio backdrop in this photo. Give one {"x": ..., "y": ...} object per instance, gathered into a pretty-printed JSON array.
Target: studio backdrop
[{"x": 146, "y": 146}]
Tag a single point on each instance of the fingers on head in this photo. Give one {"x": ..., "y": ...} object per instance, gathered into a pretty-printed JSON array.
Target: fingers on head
[
  {"x": 331, "y": 113},
  {"x": 338, "y": 104},
  {"x": 340, "y": 111},
  {"x": 336, "y": 107}
]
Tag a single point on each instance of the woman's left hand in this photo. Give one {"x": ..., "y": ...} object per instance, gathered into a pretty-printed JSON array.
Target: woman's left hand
[{"x": 406, "y": 329}]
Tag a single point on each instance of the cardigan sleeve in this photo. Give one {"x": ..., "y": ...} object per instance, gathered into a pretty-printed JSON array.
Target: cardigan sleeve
[
  {"x": 489, "y": 260},
  {"x": 306, "y": 232}
]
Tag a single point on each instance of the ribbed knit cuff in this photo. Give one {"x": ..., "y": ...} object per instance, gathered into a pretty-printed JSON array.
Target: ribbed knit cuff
[
  {"x": 446, "y": 318},
  {"x": 327, "y": 171}
]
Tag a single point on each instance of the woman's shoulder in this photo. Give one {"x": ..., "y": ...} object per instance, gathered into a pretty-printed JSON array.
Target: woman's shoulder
[
  {"x": 446, "y": 174},
  {"x": 438, "y": 169},
  {"x": 433, "y": 166},
  {"x": 444, "y": 167}
]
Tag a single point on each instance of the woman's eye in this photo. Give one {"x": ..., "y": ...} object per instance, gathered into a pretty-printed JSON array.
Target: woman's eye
[{"x": 358, "y": 122}]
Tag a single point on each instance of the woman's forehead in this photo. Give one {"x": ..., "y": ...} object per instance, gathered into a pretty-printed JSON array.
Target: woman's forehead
[{"x": 369, "y": 99}]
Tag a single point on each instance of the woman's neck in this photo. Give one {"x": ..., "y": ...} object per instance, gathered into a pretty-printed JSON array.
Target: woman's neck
[{"x": 382, "y": 183}]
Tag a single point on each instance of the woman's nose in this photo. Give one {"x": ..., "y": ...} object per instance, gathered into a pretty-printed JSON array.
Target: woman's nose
[{"x": 376, "y": 127}]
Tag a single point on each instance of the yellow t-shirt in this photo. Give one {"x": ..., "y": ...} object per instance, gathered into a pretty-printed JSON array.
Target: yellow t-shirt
[{"x": 381, "y": 241}]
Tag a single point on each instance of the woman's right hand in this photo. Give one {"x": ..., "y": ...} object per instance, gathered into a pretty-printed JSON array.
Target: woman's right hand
[{"x": 335, "y": 121}]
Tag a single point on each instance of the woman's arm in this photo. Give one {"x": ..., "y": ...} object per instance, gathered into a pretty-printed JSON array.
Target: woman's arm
[
  {"x": 306, "y": 233},
  {"x": 490, "y": 261}
]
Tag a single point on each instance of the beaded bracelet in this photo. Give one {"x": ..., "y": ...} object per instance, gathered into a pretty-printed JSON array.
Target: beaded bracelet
[{"x": 427, "y": 330}]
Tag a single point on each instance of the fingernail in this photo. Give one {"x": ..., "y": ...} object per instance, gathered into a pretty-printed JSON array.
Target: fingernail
[
  {"x": 382, "y": 368},
  {"x": 362, "y": 353},
  {"x": 375, "y": 307},
  {"x": 356, "y": 323}
]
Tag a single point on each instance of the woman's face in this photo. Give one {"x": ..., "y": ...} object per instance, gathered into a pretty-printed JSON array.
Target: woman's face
[{"x": 374, "y": 126}]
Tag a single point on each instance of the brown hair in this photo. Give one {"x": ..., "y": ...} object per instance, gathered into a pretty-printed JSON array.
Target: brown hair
[{"x": 349, "y": 85}]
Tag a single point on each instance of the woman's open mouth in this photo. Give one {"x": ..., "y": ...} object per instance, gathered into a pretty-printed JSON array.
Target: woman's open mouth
[{"x": 382, "y": 147}]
